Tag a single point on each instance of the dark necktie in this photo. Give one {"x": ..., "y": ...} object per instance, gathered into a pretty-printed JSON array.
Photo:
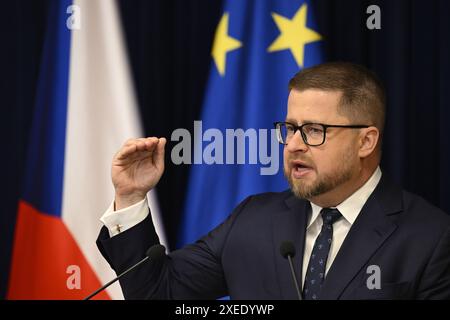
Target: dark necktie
[{"x": 315, "y": 274}]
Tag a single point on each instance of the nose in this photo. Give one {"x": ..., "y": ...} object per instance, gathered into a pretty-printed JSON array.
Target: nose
[{"x": 296, "y": 143}]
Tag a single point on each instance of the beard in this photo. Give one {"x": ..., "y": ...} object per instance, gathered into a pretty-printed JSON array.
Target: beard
[{"x": 324, "y": 182}]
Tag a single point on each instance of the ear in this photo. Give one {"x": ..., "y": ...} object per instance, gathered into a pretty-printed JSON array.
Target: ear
[{"x": 368, "y": 141}]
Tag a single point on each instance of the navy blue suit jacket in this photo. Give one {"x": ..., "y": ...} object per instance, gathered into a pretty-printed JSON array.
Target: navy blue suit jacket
[{"x": 402, "y": 234}]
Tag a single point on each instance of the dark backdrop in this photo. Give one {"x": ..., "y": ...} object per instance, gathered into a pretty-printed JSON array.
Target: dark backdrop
[{"x": 169, "y": 45}]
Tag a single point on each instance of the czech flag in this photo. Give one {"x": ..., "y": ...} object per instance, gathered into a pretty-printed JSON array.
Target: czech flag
[{"x": 85, "y": 110}]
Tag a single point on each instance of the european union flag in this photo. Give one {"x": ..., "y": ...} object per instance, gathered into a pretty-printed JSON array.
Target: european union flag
[{"x": 258, "y": 46}]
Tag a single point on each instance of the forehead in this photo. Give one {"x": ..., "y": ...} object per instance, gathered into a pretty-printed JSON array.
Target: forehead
[{"x": 313, "y": 105}]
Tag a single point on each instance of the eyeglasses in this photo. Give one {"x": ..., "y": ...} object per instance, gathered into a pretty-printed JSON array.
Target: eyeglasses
[{"x": 313, "y": 134}]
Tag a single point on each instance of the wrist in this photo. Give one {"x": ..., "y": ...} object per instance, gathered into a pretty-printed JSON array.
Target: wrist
[{"x": 123, "y": 201}]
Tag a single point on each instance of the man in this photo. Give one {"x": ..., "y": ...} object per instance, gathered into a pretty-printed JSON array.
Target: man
[{"x": 356, "y": 234}]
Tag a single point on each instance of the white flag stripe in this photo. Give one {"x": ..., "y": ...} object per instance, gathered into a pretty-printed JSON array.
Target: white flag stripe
[{"x": 102, "y": 114}]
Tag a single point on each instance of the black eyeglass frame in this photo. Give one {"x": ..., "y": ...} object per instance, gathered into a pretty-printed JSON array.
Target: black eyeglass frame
[{"x": 324, "y": 126}]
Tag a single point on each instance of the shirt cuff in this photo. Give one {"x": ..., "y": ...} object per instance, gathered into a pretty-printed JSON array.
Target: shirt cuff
[{"x": 126, "y": 218}]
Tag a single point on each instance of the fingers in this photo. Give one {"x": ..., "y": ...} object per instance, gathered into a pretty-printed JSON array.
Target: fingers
[
  {"x": 126, "y": 151},
  {"x": 137, "y": 145},
  {"x": 139, "y": 141},
  {"x": 159, "y": 153},
  {"x": 149, "y": 144}
]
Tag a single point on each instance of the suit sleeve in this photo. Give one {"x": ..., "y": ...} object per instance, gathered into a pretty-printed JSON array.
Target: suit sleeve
[
  {"x": 435, "y": 283},
  {"x": 192, "y": 272}
]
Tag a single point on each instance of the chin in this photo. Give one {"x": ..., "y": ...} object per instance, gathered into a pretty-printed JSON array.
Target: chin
[{"x": 302, "y": 188}]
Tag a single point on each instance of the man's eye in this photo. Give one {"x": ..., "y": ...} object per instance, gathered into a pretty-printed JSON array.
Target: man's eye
[
  {"x": 290, "y": 129},
  {"x": 315, "y": 130}
]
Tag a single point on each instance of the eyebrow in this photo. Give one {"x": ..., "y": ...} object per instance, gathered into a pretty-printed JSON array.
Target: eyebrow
[{"x": 293, "y": 121}]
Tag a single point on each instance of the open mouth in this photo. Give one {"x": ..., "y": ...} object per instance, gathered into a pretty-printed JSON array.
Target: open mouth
[{"x": 300, "y": 169}]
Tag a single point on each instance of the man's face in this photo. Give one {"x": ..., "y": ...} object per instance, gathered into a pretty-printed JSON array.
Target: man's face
[{"x": 313, "y": 171}]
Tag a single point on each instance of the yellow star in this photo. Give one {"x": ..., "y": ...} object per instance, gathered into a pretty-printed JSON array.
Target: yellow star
[
  {"x": 294, "y": 34},
  {"x": 223, "y": 44}
]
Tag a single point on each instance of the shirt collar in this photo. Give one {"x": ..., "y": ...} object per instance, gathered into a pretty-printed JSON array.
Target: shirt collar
[{"x": 351, "y": 207}]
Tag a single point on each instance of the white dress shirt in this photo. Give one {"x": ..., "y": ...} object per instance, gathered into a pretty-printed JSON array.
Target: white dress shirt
[
  {"x": 350, "y": 209},
  {"x": 124, "y": 219}
]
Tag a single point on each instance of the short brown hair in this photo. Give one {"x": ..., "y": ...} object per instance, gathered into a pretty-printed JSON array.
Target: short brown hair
[{"x": 363, "y": 95}]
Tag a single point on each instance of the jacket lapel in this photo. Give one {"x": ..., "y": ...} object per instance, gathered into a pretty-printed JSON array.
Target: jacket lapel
[
  {"x": 370, "y": 230},
  {"x": 290, "y": 225}
]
